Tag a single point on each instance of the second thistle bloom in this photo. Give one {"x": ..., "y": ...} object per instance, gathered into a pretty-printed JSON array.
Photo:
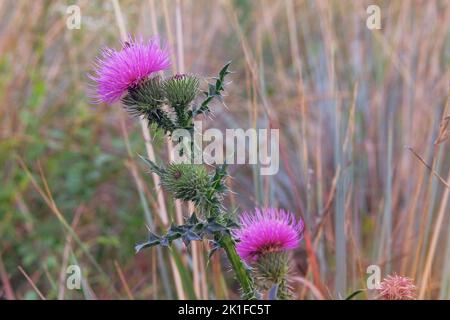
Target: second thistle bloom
[{"x": 267, "y": 231}]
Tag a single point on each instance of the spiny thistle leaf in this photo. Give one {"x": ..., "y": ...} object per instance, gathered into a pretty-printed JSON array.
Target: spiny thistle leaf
[
  {"x": 194, "y": 230},
  {"x": 165, "y": 242},
  {"x": 230, "y": 223},
  {"x": 153, "y": 166},
  {"x": 224, "y": 71},
  {"x": 174, "y": 232},
  {"x": 214, "y": 248},
  {"x": 189, "y": 236},
  {"x": 217, "y": 181},
  {"x": 153, "y": 240},
  {"x": 187, "y": 232},
  {"x": 214, "y": 227},
  {"x": 214, "y": 90},
  {"x": 192, "y": 220}
]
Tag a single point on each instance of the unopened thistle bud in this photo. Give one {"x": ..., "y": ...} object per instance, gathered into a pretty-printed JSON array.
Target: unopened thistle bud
[
  {"x": 180, "y": 91},
  {"x": 187, "y": 182}
]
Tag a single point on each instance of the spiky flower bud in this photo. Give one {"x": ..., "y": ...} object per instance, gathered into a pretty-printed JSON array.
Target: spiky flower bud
[
  {"x": 188, "y": 182},
  {"x": 180, "y": 91},
  {"x": 146, "y": 99}
]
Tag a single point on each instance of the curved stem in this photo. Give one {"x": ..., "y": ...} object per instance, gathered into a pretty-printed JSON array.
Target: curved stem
[{"x": 242, "y": 273}]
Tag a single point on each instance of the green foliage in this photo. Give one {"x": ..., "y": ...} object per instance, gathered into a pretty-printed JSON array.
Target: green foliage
[
  {"x": 214, "y": 91},
  {"x": 188, "y": 182},
  {"x": 272, "y": 272},
  {"x": 191, "y": 182},
  {"x": 146, "y": 99},
  {"x": 195, "y": 229},
  {"x": 145, "y": 96}
]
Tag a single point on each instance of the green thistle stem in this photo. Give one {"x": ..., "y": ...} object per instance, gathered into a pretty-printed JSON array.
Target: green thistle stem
[
  {"x": 161, "y": 118},
  {"x": 242, "y": 273},
  {"x": 182, "y": 116}
]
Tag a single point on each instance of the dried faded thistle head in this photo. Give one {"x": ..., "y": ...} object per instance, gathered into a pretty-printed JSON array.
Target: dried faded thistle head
[{"x": 395, "y": 287}]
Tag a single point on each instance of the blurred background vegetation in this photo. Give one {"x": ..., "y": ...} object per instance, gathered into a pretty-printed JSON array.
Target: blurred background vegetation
[{"x": 347, "y": 100}]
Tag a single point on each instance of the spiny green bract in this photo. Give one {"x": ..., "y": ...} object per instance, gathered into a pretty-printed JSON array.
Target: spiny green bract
[
  {"x": 272, "y": 268},
  {"x": 146, "y": 95},
  {"x": 181, "y": 90},
  {"x": 146, "y": 99},
  {"x": 188, "y": 182}
]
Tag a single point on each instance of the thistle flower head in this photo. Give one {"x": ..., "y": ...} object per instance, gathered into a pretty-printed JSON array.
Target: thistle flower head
[
  {"x": 117, "y": 71},
  {"x": 144, "y": 97},
  {"x": 397, "y": 288},
  {"x": 267, "y": 231},
  {"x": 188, "y": 182},
  {"x": 181, "y": 89}
]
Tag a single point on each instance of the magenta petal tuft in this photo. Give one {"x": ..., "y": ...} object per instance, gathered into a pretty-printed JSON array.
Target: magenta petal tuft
[
  {"x": 116, "y": 71},
  {"x": 267, "y": 230}
]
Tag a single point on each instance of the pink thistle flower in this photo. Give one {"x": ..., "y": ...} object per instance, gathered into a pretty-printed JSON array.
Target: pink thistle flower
[
  {"x": 266, "y": 231},
  {"x": 397, "y": 288},
  {"x": 116, "y": 71}
]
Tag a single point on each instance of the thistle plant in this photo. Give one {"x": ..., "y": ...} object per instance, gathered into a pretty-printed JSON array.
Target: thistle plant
[{"x": 169, "y": 104}]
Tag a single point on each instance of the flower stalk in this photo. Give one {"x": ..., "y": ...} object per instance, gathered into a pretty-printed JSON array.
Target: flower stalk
[{"x": 241, "y": 270}]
